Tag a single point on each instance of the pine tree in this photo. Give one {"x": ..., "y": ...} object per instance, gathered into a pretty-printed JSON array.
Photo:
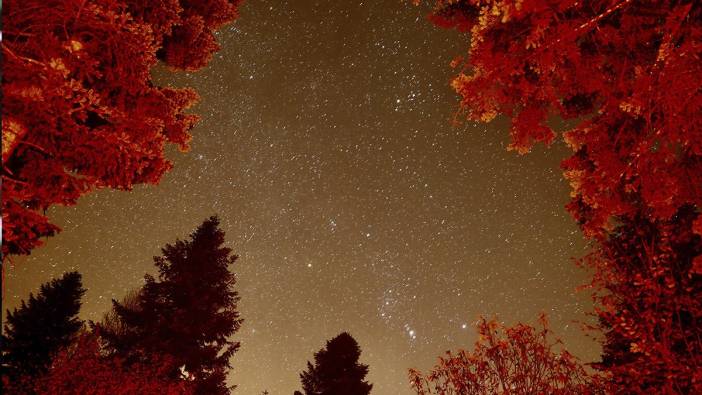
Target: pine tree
[
  {"x": 336, "y": 370},
  {"x": 42, "y": 326},
  {"x": 186, "y": 314}
]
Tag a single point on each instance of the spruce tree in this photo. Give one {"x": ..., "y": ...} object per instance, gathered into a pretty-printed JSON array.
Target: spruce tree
[
  {"x": 39, "y": 328},
  {"x": 336, "y": 370},
  {"x": 187, "y": 313}
]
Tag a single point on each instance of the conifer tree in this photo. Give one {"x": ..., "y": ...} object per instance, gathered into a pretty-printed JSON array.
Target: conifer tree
[
  {"x": 187, "y": 313},
  {"x": 336, "y": 370},
  {"x": 39, "y": 328}
]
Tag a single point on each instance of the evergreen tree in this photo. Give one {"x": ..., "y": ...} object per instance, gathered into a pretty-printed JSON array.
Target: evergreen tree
[
  {"x": 186, "y": 314},
  {"x": 42, "y": 326},
  {"x": 336, "y": 370}
]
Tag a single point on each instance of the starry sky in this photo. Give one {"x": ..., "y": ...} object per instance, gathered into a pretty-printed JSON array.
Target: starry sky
[{"x": 328, "y": 150}]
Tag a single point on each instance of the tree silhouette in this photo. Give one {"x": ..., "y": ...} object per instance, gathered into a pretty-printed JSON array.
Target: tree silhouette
[
  {"x": 336, "y": 370},
  {"x": 80, "y": 110},
  {"x": 518, "y": 360},
  {"x": 112, "y": 324},
  {"x": 187, "y": 314},
  {"x": 628, "y": 74},
  {"x": 38, "y": 329}
]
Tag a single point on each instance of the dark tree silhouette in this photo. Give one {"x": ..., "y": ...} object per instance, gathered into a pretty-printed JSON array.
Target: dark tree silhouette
[
  {"x": 41, "y": 327},
  {"x": 112, "y": 324},
  {"x": 336, "y": 370},
  {"x": 187, "y": 314}
]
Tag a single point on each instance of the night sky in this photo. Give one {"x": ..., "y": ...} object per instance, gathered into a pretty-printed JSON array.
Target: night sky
[{"x": 327, "y": 148}]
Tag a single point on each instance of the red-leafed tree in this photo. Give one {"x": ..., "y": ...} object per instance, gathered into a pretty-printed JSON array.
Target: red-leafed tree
[
  {"x": 517, "y": 360},
  {"x": 83, "y": 369},
  {"x": 79, "y": 108},
  {"x": 628, "y": 73}
]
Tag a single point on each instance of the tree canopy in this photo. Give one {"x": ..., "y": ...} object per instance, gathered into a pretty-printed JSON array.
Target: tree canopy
[
  {"x": 187, "y": 314},
  {"x": 336, "y": 370},
  {"x": 79, "y": 108},
  {"x": 628, "y": 75},
  {"x": 82, "y": 368},
  {"x": 517, "y": 360},
  {"x": 41, "y": 327}
]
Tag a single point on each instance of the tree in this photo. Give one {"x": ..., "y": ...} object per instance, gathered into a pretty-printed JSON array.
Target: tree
[
  {"x": 112, "y": 323},
  {"x": 336, "y": 370},
  {"x": 82, "y": 369},
  {"x": 42, "y": 326},
  {"x": 79, "y": 108},
  {"x": 628, "y": 75},
  {"x": 518, "y": 360},
  {"x": 187, "y": 314}
]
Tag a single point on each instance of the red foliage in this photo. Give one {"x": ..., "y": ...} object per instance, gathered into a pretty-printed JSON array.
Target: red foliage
[
  {"x": 518, "y": 360},
  {"x": 629, "y": 72},
  {"x": 79, "y": 108},
  {"x": 81, "y": 369}
]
